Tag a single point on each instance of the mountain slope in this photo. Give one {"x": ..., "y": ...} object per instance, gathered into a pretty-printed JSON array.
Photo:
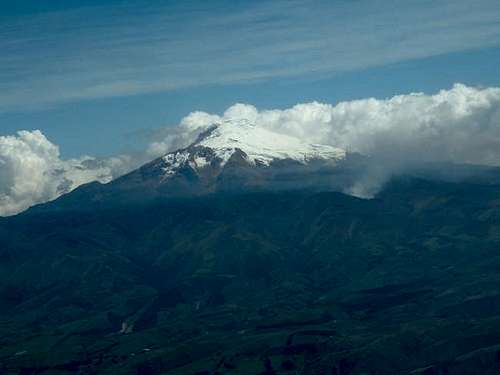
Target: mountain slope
[
  {"x": 233, "y": 156},
  {"x": 246, "y": 283},
  {"x": 235, "y": 256}
]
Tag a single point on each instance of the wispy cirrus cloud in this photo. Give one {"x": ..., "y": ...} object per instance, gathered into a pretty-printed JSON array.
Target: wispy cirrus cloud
[{"x": 108, "y": 51}]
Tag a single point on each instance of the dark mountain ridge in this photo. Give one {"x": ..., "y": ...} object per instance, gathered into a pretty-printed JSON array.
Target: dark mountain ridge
[{"x": 255, "y": 282}]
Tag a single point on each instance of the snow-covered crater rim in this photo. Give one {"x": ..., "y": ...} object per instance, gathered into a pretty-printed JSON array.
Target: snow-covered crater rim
[{"x": 259, "y": 146}]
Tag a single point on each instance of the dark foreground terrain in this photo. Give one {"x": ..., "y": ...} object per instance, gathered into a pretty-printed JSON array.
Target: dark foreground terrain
[{"x": 263, "y": 283}]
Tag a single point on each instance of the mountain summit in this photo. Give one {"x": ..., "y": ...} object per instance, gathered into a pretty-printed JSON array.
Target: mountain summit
[
  {"x": 235, "y": 155},
  {"x": 257, "y": 145}
]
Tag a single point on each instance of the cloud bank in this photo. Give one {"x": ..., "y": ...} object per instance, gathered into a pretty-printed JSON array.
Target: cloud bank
[
  {"x": 459, "y": 125},
  {"x": 31, "y": 171}
]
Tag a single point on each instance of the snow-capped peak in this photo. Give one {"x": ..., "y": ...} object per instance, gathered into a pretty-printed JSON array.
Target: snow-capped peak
[{"x": 260, "y": 145}]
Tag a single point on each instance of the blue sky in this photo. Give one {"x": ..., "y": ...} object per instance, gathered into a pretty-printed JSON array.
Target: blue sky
[{"x": 97, "y": 76}]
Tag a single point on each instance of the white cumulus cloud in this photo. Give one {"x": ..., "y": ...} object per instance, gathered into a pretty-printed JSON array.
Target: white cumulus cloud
[
  {"x": 31, "y": 171},
  {"x": 460, "y": 125}
]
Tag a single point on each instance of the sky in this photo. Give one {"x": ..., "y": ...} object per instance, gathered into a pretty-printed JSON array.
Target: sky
[
  {"x": 96, "y": 77},
  {"x": 91, "y": 89}
]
